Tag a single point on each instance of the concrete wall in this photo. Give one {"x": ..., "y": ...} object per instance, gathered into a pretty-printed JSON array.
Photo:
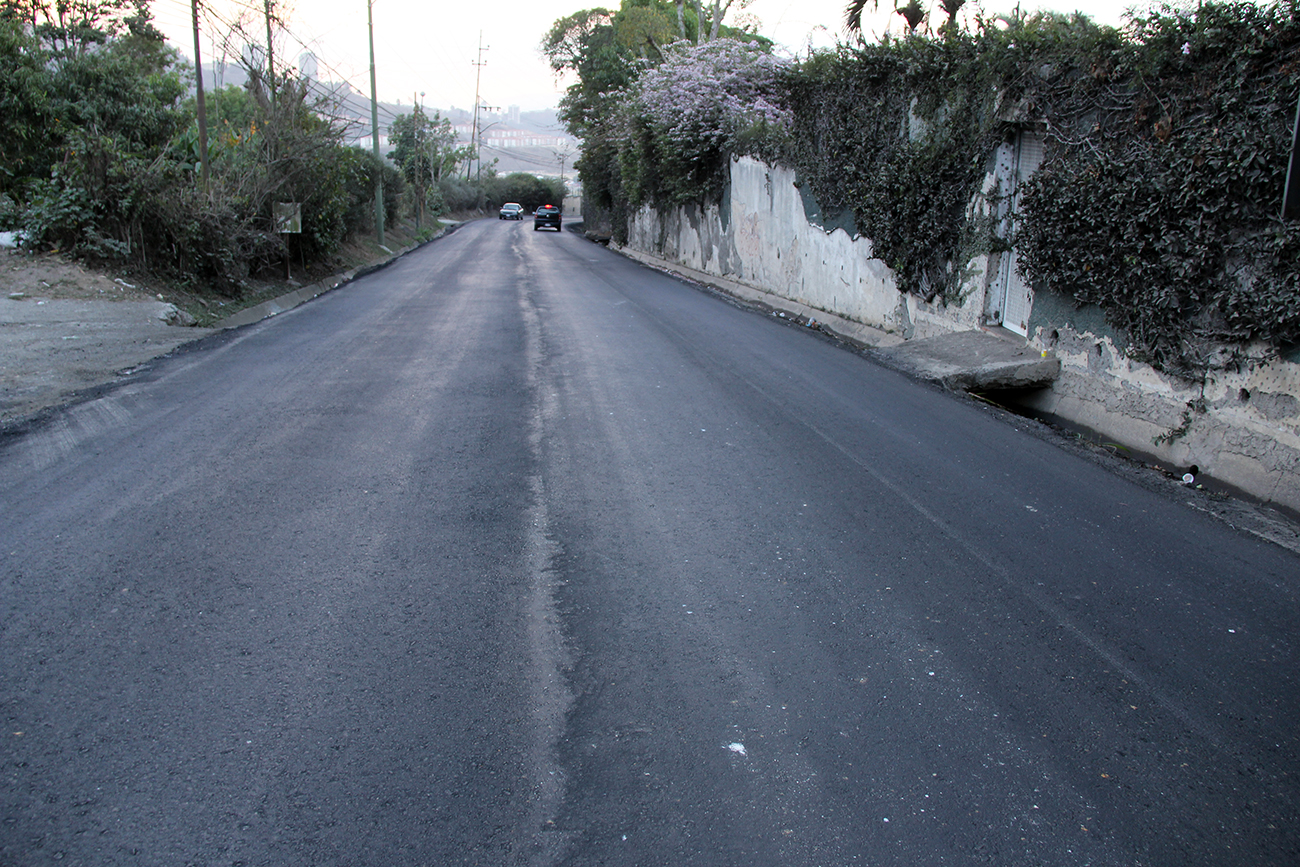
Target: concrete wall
[
  {"x": 762, "y": 236},
  {"x": 1248, "y": 436}
]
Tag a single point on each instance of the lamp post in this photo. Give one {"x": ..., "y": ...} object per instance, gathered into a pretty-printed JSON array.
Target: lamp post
[{"x": 478, "y": 144}]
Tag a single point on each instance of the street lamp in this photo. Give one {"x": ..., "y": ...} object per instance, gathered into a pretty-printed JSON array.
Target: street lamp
[{"x": 478, "y": 143}]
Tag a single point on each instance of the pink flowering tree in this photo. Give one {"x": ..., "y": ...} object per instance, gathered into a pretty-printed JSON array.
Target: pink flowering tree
[{"x": 685, "y": 118}]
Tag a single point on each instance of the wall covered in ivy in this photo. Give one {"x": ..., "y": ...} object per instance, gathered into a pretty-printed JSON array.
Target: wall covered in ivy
[{"x": 1159, "y": 200}]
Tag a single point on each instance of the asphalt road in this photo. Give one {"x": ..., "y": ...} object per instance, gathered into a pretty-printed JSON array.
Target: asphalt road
[{"x": 517, "y": 553}]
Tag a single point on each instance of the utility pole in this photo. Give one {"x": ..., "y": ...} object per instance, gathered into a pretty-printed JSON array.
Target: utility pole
[
  {"x": 563, "y": 157},
  {"x": 374, "y": 127},
  {"x": 417, "y": 121},
  {"x": 270, "y": 55},
  {"x": 202, "y": 110},
  {"x": 473, "y": 130}
]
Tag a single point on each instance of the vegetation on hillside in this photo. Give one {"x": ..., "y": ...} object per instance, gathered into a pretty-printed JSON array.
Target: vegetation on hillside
[{"x": 100, "y": 155}]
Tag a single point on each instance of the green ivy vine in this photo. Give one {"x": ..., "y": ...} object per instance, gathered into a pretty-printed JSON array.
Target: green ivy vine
[{"x": 1160, "y": 199}]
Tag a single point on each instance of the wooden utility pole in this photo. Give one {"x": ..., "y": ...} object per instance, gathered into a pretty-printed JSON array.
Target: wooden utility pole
[
  {"x": 374, "y": 127},
  {"x": 202, "y": 110},
  {"x": 270, "y": 55},
  {"x": 417, "y": 123}
]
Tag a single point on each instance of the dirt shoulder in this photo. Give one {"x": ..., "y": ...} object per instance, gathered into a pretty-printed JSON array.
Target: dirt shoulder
[{"x": 66, "y": 329}]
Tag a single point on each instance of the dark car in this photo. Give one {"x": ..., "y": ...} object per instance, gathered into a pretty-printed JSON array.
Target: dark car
[
  {"x": 511, "y": 211},
  {"x": 546, "y": 215}
]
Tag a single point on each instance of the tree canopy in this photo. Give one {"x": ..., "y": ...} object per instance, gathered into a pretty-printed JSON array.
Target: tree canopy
[{"x": 606, "y": 51}]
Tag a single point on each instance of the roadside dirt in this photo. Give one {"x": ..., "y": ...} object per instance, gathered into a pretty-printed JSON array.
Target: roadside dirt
[{"x": 64, "y": 329}]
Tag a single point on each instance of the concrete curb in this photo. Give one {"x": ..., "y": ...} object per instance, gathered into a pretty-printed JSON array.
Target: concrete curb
[
  {"x": 961, "y": 361},
  {"x": 290, "y": 300},
  {"x": 984, "y": 361}
]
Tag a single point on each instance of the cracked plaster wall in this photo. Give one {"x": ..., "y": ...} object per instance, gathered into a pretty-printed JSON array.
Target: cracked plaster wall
[
  {"x": 1248, "y": 437},
  {"x": 760, "y": 235}
]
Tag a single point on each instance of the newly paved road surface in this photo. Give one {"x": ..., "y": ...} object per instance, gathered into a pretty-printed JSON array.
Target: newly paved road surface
[{"x": 517, "y": 553}]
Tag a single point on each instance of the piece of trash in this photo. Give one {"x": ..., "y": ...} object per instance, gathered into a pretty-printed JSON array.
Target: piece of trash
[
  {"x": 1189, "y": 479},
  {"x": 739, "y": 749},
  {"x": 122, "y": 282},
  {"x": 17, "y": 296}
]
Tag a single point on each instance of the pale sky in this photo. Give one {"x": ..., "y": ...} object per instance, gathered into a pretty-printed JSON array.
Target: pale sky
[{"x": 430, "y": 47}]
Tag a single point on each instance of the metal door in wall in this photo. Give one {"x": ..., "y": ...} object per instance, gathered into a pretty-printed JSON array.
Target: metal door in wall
[{"x": 1010, "y": 298}]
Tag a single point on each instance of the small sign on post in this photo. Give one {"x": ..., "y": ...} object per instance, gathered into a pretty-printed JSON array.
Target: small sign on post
[
  {"x": 288, "y": 221},
  {"x": 288, "y": 217}
]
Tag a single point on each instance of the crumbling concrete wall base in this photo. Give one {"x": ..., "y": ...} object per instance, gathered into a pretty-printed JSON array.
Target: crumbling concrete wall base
[{"x": 1242, "y": 427}]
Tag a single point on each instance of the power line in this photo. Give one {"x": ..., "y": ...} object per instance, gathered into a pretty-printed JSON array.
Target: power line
[{"x": 231, "y": 31}]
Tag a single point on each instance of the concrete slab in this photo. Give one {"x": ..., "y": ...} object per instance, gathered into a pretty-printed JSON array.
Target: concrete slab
[{"x": 974, "y": 361}]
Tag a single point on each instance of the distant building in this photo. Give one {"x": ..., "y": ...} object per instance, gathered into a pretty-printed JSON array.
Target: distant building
[
  {"x": 308, "y": 66},
  {"x": 495, "y": 135},
  {"x": 252, "y": 56}
]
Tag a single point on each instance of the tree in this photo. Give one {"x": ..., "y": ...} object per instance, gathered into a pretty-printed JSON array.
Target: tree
[
  {"x": 70, "y": 27},
  {"x": 25, "y": 85},
  {"x": 684, "y": 119},
  {"x": 606, "y": 51},
  {"x": 708, "y": 18},
  {"x": 425, "y": 151},
  {"x": 528, "y": 190},
  {"x": 913, "y": 13}
]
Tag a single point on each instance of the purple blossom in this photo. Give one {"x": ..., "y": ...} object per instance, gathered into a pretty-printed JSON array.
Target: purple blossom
[{"x": 702, "y": 96}]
